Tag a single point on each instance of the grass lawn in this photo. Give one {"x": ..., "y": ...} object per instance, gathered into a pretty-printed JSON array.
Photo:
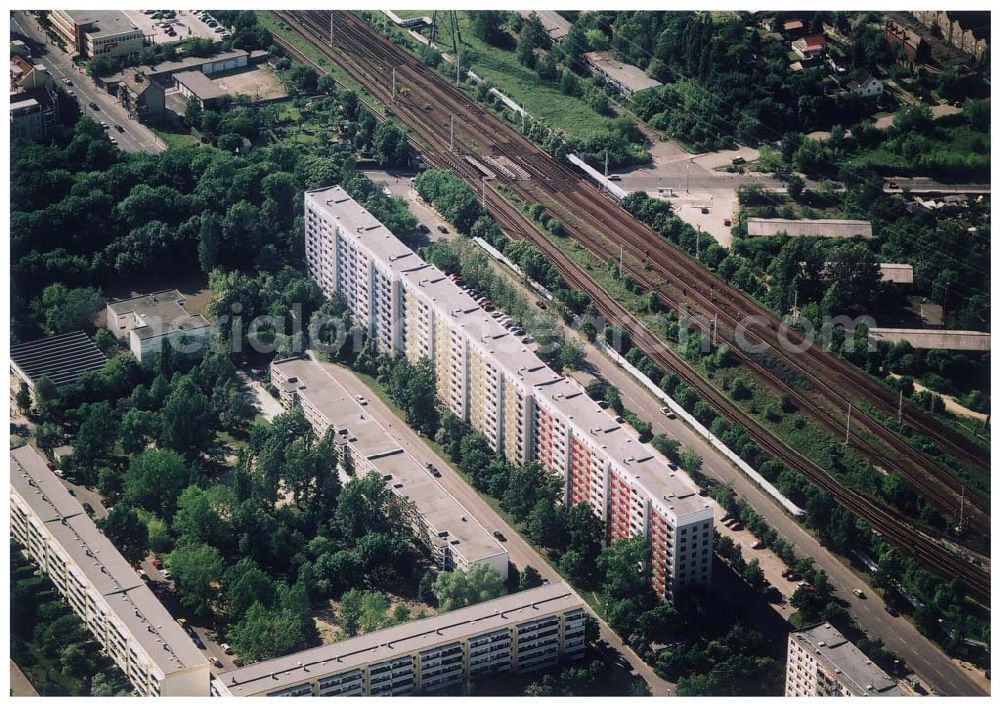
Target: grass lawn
[
  {"x": 542, "y": 99},
  {"x": 175, "y": 140}
]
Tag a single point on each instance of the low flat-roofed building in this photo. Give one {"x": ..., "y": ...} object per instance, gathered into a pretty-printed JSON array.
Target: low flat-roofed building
[
  {"x": 897, "y": 273},
  {"x": 823, "y": 663},
  {"x": 195, "y": 84},
  {"x": 453, "y": 536},
  {"x": 126, "y": 619},
  {"x": 626, "y": 78},
  {"x": 555, "y": 25},
  {"x": 517, "y": 633},
  {"x": 149, "y": 321},
  {"x": 961, "y": 340},
  {"x": 769, "y": 227},
  {"x": 209, "y": 65},
  {"x": 62, "y": 359}
]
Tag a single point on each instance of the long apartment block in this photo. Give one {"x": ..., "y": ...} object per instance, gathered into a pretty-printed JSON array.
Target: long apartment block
[
  {"x": 823, "y": 663},
  {"x": 125, "y": 617},
  {"x": 488, "y": 377},
  {"x": 452, "y": 534},
  {"x": 518, "y": 633}
]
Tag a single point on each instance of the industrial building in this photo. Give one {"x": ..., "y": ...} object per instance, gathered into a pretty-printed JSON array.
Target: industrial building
[
  {"x": 208, "y": 65},
  {"x": 486, "y": 376},
  {"x": 770, "y": 227},
  {"x": 518, "y": 633},
  {"x": 91, "y": 33},
  {"x": 149, "y": 321},
  {"x": 625, "y": 78},
  {"x": 823, "y": 663},
  {"x": 554, "y": 24},
  {"x": 62, "y": 359},
  {"x": 453, "y": 536},
  {"x": 126, "y": 619}
]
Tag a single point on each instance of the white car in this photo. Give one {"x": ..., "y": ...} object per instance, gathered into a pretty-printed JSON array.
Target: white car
[
  {"x": 361, "y": 400},
  {"x": 165, "y": 573}
]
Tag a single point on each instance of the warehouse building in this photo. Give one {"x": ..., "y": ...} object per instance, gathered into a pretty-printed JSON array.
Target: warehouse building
[
  {"x": 126, "y": 619},
  {"x": 554, "y": 24},
  {"x": 453, "y": 536},
  {"x": 152, "y": 320},
  {"x": 208, "y": 65},
  {"x": 62, "y": 359},
  {"x": 91, "y": 33},
  {"x": 770, "y": 227},
  {"x": 625, "y": 78},
  {"x": 518, "y": 633},
  {"x": 486, "y": 376},
  {"x": 823, "y": 663}
]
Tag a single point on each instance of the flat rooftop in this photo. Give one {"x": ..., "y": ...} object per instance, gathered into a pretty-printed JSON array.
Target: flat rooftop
[
  {"x": 135, "y": 606},
  {"x": 897, "y": 273},
  {"x": 859, "y": 675},
  {"x": 768, "y": 227},
  {"x": 199, "y": 84},
  {"x": 632, "y": 77},
  {"x": 555, "y": 25},
  {"x": 189, "y": 62},
  {"x": 159, "y": 312},
  {"x": 964, "y": 340},
  {"x": 326, "y": 660},
  {"x": 354, "y": 425},
  {"x": 104, "y": 22},
  {"x": 63, "y": 359}
]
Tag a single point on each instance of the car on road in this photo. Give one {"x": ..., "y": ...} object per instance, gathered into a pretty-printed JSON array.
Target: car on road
[
  {"x": 119, "y": 128},
  {"x": 614, "y": 177},
  {"x": 67, "y": 82},
  {"x": 71, "y": 492},
  {"x": 362, "y": 401},
  {"x": 93, "y": 105},
  {"x": 442, "y": 229},
  {"x": 860, "y": 594},
  {"x": 500, "y": 536},
  {"x": 891, "y": 611},
  {"x": 727, "y": 222},
  {"x": 433, "y": 470},
  {"x": 665, "y": 410},
  {"x": 704, "y": 211},
  {"x": 105, "y": 125}
]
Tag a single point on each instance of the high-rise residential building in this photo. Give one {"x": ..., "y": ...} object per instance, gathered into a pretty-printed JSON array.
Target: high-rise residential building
[
  {"x": 518, "y": 633},
  {"x": 452, "y": 535},
  {"x": 125, "y": 617},
  {"x": 823, "y": 663},
  {"x": 488, "y": 377}
]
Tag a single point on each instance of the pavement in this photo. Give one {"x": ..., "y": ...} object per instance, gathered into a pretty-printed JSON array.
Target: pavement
[
  {"x": 20, "y": 685},
  {"x": 399, "y": 185},
  {"x": 136, "y": 137},
  {"x": 520, "y": 553},
  {"x": 186, "y": 25},
  {"x": 267, "y": 404}
]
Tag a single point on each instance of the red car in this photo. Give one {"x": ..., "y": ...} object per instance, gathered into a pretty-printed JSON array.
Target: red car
[{"x": 157, "y": 563}]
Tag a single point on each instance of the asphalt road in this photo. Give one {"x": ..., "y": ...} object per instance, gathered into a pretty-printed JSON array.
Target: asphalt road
[
  {"x": 520, "y": 553},
  {"x": 135, "y": 138}
]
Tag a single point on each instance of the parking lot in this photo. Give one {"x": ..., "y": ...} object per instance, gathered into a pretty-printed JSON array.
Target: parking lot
[
  {"x": 186, "y": 25},
  {"x": 398, "y": 184}
]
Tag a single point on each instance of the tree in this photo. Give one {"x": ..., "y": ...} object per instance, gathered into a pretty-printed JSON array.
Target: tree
[
  {"x": 193, "y": 112},
  {"x": 68, "y": 309},
  {"x": 155, "y": 480},
  {"x": 529, "y": 578},
  {"x": 245, "y": 584},
  {"x": 187, "y": 424},
  {"x": 265, "y": 633},
  {"x": 488, "y": 26},
  {"x": 23, "y": 399},
  {"x": 126, "y": 532},
  {"x": 95, "y": 436},
  {"x": 389, "y": 143},
  {"x": 753, "y": 574},
  {"x": 136, "y": 429},
  {"x": 195, "y": 568},
  {"x": 456, "y": 589},
  {"x": 856, "y": 276}
]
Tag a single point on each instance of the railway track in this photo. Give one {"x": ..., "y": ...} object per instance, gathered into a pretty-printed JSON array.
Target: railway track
[{"x": 370, "y": 59}]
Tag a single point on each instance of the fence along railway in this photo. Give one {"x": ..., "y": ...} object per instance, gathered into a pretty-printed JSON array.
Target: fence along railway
[{"x": 369, "y": 59}]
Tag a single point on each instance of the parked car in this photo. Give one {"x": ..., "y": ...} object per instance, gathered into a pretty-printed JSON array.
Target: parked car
[
  {"x": 59, "y": 473},
  {"x": 860, "y": 594},
  {"x": 442, "y": 229},
  {"x": 142, "y": 575},
  {"x": 215, "y": 661},
  {"x": 704, "y": 211},
  {"x": 165, "y": 573},
  {"x": 541, "y": 305},
  {"x": 614, "y": 177},
  {"x": 88, "y": 508},
  {"x": 727, "y": 222},
  {"x": 500, "y": 536},
  {"x": 119, "y": 128},
  {"x": 157, "y": 563},
  {"x": 665, "y": 410},
  {"x": 67, "y": 81},
  {"x": 757, "y": 544},
  {"x": 93, "y": 105},
  {"x": 891, "y": 611},
  {"x": 423, "y": 228},
  {"x": 105, "y": 125},
  {"x": 737, "y": 526},
  {"x": 199, "y": 643},
  {"x": 226, "y": 648}
]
